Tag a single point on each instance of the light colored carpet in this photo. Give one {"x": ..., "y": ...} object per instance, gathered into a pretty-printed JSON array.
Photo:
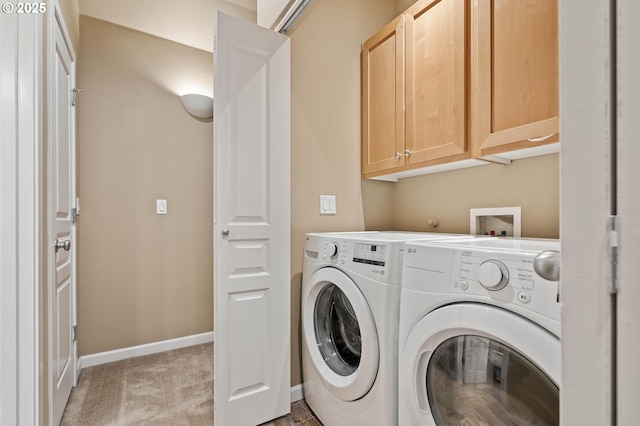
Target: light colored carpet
[{"x": 169, "y": 388}]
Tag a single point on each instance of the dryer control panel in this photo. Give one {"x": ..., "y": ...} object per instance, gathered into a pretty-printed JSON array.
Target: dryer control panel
[{"x": 478, "y": 271}]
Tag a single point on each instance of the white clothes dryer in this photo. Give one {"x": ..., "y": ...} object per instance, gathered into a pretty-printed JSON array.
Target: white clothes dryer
[
  {"x": 479, "y": 340},
  {"x": 350, "y": 313}
]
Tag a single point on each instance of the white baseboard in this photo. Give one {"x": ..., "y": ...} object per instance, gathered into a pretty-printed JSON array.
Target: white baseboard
[
  {"x": 297, "y": 393},
  {"x": 148, "y": 349}
]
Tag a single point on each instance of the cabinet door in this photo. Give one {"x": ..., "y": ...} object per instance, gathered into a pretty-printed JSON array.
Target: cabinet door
[
  {"x": 383, "y": 99},
  {"x": 436, "y": 88},
  {"x": 514, "y": 74}
]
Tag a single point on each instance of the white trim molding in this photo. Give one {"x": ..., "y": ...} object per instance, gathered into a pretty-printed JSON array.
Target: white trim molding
[
  {"x": 21, "y": 147},
  {"x": 146, "y": 349},
  {"x": 297, "y": 393}
]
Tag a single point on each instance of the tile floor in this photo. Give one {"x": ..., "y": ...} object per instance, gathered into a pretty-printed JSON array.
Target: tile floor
[{"x": 301, "y": 415}]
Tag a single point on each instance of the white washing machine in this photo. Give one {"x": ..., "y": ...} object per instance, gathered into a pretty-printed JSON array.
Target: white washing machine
[
  {"x": 350, "y": 302},
  {"x": 479, "y": 340}
]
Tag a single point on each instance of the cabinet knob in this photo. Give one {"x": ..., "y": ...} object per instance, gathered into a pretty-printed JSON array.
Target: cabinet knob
[
  {"x": 398, "y": 155},
  {"x": 407, "y": 152}
]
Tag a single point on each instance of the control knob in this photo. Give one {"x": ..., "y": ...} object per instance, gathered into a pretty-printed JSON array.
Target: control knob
[
  {"x": 332, "y": 249},
  {"x": 493, "y": 275}
]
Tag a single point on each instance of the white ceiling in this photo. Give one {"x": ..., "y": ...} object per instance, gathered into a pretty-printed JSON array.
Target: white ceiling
[{"x": 188, "y": 22}]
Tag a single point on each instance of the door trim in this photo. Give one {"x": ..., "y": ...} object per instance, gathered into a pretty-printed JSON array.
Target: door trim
[{"x": 21, "y": 228}]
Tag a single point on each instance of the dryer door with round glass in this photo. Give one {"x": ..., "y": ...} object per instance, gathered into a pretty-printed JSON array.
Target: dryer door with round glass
[
  {"x": 476, "y": 364},
  {"x": 340, "y": 334}
]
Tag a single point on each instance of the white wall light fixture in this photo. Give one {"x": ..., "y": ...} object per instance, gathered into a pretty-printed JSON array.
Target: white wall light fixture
[{"x": 199, "y": 106}]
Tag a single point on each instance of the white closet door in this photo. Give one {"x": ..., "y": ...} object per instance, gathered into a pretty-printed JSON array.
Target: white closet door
[
  {"x": 61, "y": 179},
  {"x": 251, "y": 223}
]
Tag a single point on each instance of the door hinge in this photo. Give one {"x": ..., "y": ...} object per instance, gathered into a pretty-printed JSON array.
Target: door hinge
[
  {"x": 613, "y": 252},
  {"x": 74, "y": 332},
  {"x": 74, "y": 94},
  {"x": 74, "y": 215}
]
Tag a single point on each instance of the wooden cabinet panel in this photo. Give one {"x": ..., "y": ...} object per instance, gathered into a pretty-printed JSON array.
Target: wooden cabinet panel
[
  {"x": 436, "y": 89},
  {"x": 514, "y": 74},
  {"x": 383, "y": 82},
  {"x": 477, "y": 78}
]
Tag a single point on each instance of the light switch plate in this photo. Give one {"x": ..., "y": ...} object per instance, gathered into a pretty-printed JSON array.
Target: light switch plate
[
  {"x": 161, "y": 206},
  {"x": 327, "y": 204}
]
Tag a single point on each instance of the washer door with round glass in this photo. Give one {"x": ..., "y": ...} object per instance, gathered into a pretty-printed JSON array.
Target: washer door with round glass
[
  {"x": 340, "y": 334},
  {"x": 475, "y": 364}
]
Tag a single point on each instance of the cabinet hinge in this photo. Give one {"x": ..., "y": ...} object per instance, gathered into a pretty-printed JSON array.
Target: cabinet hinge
[
  {"x": 74, "y": 215},
  {"x": 613, "y": 252},
  {"x": 74, "y": 333}
]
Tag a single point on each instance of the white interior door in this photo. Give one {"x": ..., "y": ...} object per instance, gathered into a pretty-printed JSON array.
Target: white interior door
[
  {"x": 251, "y": 223},
  {"x": 61, "y": 177}
]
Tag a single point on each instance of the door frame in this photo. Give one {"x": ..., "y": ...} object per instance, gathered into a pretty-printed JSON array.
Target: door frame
[
  {"x": 628, "y": 210},
  {"x": 586, "y": 114},
  {"x": 21, "y": 230}
]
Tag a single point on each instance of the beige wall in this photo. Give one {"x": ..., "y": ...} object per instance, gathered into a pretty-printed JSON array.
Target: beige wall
[
  {"x": 531, "y": 183},
  {"x": 402, "y": 5},
  {"x": 142, "y": 277},
  {"x": 325, "y": 132}
]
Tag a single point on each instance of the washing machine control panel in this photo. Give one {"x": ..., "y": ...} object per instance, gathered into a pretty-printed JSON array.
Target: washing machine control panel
[
  {"x": 370, "y": 254},
  {"x": 377, "y": 260}
]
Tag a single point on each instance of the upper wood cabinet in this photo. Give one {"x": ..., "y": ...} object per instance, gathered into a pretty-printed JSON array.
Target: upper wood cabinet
[
  {"x": 454, "y": 80},
  {"x": 383, "y": 85},
  {"x": 514, "y": 75},
  {"x": 414, "y": 89},
  {"x": 435, "y": 81}
]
